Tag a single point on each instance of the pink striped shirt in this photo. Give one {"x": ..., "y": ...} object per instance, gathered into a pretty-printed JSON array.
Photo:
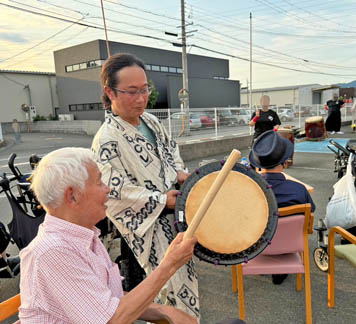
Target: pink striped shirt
[{"x": 67, "y": 276}]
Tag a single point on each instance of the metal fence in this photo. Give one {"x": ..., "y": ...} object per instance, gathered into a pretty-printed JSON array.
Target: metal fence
[{"x": 216, "y": 122}]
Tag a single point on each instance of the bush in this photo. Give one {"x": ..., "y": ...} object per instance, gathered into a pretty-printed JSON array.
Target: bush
[
  {"x": 51, "y": 117},
  {"x": 153, "y": 96},
  {"x": 39, "y": 118}
]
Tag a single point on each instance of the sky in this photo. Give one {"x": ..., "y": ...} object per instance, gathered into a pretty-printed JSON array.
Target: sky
[{"x": 293, "y": 42}]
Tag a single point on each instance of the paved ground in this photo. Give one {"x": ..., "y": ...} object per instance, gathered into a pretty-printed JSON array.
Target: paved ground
[{"x": 265, "y": 303}]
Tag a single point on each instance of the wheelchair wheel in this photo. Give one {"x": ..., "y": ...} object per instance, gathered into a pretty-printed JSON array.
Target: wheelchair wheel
[{"x": 321, "y": 259}]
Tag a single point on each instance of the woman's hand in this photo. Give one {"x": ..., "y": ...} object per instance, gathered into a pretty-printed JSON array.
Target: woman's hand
[{"x": 257, "y": 112}]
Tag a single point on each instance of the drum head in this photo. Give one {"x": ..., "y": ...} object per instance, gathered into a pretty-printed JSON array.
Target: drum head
[
  {"x": 240, "y": 222},
  {"x": 314, "y": 119}
]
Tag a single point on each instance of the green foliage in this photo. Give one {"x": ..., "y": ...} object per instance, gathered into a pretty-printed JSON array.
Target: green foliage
[
  {"x": 44, "y": 118},
  {"x": 153, "y": 96},
  {"x": 39, "y": 118},
  {"x": 51, "y": 117}
]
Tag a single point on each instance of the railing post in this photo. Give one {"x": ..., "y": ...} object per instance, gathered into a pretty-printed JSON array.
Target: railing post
[
  {"x": 169, "y": 123},
  {"x": 216, "y": 123}
]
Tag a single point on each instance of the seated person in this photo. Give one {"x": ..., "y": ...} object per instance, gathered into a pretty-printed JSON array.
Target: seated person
[
  {"x": 66, "y": 273},
  {"x": 269, "y": 153}
]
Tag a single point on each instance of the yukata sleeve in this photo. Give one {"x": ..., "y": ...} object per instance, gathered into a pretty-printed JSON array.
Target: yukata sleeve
[
  {"x": 130, "y": 206},
  {"x": 174, "y": 148}
]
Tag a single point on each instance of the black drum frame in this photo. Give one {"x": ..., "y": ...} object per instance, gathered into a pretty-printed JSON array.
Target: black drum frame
[{"x": 236, "y": 258}]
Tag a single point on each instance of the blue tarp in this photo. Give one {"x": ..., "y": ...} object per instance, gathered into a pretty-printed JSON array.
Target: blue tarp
[{"x": 318, "y": 146}]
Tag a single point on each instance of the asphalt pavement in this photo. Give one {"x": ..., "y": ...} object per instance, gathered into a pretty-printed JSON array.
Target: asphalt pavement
[{"x": 264, "y": 302}]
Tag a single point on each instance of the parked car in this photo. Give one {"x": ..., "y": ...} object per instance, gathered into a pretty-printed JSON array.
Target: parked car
[
  {"x": 225, "y": 117},
  {"x": 285, "y": 115},
  {"x": 304, "y": 111},
  {"x": 208, "y": 120},
  {"x": 194, "y": 119},
  {"x": 242, "y": 116}
]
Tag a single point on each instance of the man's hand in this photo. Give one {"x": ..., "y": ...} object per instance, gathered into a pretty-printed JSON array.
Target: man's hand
[
  {"x": 182, "y": 176},
  {"x": 179, "y": 251},
  {"x": 171, "y": 199}
]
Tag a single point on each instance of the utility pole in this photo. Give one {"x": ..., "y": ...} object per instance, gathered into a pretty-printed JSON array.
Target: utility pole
[
  {"x": 247, "y": 101},
  {"x": 251, "y": 62},
  {"x": 184, "y": 57},
  {"x": 106, "y": 33}
]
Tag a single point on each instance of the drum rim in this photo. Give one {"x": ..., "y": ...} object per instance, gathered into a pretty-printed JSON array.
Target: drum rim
[{"x": 235, "y": 258}]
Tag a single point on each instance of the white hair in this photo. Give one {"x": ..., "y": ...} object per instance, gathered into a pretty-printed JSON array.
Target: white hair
[{"x": 58, "y": 170}]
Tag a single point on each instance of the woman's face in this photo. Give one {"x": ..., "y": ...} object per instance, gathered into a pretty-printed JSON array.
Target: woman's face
[
  {"x": 131, "y": 104},
  {"x": 265, "y": 102}
]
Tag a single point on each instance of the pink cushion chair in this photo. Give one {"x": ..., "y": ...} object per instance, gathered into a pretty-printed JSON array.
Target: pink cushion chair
[{"x": 288, "y": 253}]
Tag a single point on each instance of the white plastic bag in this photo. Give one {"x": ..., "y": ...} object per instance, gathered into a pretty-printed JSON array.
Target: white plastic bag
[{"x": 341, "y": 209}]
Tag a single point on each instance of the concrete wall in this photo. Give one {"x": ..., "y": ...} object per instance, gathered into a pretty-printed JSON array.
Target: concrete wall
[
  {"x": 205, "y": 93},
  {"x": 197, "y": 64},
  {"x": 278, "y": 97},
  {"x": 197, "y": 150},
  {"x": 41, "y": 93},
  {"x": 83, "y": 86},
  {"x": 84, "y": 127}
]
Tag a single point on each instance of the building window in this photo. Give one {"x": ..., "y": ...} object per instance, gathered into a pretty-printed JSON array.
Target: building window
[
  {"x": 86, "y": 106},
  {"x": 155, "y": 68},
  {"x": 148, "y": 67},
  {"x": 164, "y": 68},
  {"x": 84, "y": 65},
  {"x": 179, "y": 70},
  {"x": 172, "y": 69}
]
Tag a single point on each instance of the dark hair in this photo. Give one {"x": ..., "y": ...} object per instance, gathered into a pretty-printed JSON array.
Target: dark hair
[{"x": 109, "y": 76}]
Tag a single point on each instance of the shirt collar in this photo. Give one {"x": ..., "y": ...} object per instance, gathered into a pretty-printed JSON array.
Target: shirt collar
[
  {"x": 274, "y": 176},
  {"x": 52, "y": 223}
]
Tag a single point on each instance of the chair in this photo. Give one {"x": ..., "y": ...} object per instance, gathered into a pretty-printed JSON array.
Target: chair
[
  {"x": 288, "y": 253},
  {"x": 9, "y": 307},
  {"x": 347, "y": 252}
]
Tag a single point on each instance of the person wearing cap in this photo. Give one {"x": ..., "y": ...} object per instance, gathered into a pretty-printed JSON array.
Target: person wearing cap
[
  {"x": 265, "y": 119},
  {"x": 269, "y": 153}
]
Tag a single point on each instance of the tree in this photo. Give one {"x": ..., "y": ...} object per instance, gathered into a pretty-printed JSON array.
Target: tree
[{"x": 153, "y": 96}]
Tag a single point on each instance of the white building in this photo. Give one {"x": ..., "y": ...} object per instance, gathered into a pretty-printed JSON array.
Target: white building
[
  {"x": 18, "y": 88},
  {"x": 305, "y": 95}
]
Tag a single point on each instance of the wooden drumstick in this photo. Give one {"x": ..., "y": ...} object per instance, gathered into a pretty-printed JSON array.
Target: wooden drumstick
[{"x": 212, "y": 192}]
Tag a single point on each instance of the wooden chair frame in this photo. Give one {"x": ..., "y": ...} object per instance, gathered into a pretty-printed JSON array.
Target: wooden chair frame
[
  {"x": 11, "y": 306},
  {"x": 331, "y": 251},
  {"x": 237, "y": 271}
]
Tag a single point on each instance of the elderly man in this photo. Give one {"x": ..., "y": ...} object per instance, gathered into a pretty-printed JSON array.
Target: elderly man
[{"x": 66, "y": 273}]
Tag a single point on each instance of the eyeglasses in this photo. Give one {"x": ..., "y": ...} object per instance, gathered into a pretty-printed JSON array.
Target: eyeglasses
[{"x": 134, "y": 93}]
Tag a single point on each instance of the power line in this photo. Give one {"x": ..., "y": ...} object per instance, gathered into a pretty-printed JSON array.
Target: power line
[
  {"x": 41, "y": 42},
  {"x": 87, "y": 25},
  {"x": 268, "y": 64}
]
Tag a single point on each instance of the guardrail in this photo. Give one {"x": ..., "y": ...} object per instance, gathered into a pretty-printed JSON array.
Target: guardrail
[{"x": 216, "y": 122}]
